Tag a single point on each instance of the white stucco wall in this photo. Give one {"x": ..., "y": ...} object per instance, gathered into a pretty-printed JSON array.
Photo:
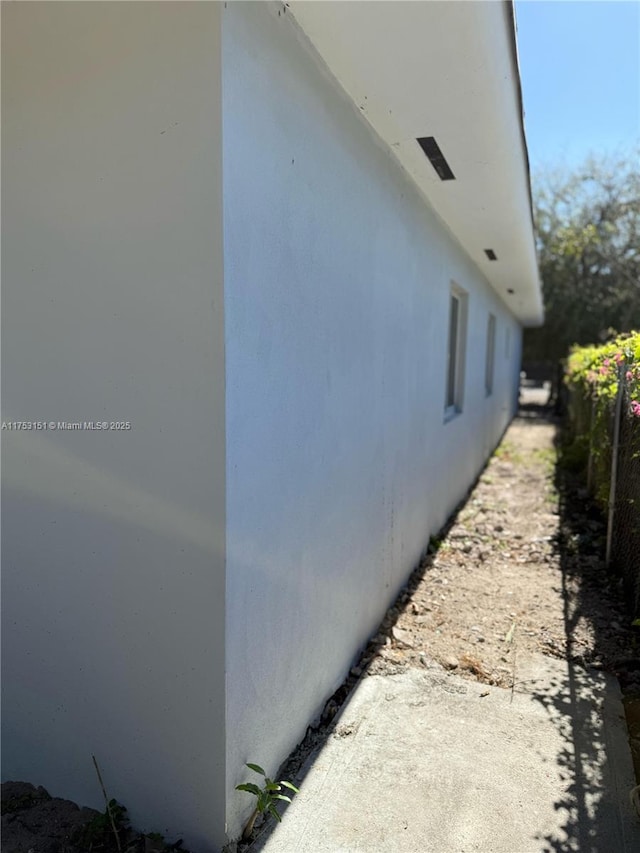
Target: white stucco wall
[
  {"x": 339, "y": 462},
  {"x": 113, "y": 543}
]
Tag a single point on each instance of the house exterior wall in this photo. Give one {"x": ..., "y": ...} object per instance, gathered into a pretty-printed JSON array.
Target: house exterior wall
[
  {"x": 340, "y": 464},
  {"x": 113, "y": 542},
  {"x": 121, "y": 637}
]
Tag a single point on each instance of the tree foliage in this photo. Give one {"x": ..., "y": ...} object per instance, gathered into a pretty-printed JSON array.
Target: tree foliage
[{"x": 588, "y": 241}]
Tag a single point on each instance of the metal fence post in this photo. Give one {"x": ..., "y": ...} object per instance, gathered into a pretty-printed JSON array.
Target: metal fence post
[
  {"x": 590, "y": 462},
  {"x": 614, "y": 463}
]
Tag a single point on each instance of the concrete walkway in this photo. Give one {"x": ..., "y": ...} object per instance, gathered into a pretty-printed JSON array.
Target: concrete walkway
[{"x": 426, "y": 761}]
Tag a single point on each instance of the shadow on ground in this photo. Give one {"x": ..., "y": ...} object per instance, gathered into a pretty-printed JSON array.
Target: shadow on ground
[{"x": 595, "y": 768}]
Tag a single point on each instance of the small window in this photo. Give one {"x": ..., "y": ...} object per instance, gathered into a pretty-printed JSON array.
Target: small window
[
  {"x": 491, "y": 349},
  {"x": 456, "y": 350}
]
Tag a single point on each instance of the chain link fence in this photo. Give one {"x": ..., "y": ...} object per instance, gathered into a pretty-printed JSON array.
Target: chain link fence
[
  {"x": 606, "y": 434},
  {"x": 623, "y": 537}
]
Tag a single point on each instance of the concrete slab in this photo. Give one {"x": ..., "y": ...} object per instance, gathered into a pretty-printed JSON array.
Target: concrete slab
[
  {"x": 427, "y": 761},
  {"x": 534, "y": 396}
]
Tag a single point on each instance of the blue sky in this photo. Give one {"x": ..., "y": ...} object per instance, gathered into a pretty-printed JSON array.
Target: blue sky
[{"x": 580, "y": 69}]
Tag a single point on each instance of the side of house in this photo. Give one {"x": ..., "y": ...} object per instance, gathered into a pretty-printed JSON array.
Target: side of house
[
  {"x": 223, "y": 240},
  {"x": 113, "y": 540},
  {"x": 342, "y": 458}
]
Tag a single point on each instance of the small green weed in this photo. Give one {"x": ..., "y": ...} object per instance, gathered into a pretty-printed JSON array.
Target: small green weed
[
  {"x": 113, "y": 823},
  {"x": 546, "y": 455},
  {"x": 98, "y": 831},
  {"x": 436, "y": 544},
  {"x": 266, "y": 796},
  {"x": 507, "y": 452}
]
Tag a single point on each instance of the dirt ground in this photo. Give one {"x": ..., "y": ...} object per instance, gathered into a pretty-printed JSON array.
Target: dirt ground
[
  {"x": 519, "y": 569},
  {"x": 35, "y": 822}
]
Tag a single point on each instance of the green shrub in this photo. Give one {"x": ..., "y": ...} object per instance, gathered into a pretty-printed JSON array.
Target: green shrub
[{"x": 592, "y": 376}]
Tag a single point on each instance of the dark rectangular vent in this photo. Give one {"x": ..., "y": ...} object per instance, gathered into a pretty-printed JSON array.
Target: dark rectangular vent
[
  {"x": 436, "y": 158},
  {"x": 491, "y": 254}
]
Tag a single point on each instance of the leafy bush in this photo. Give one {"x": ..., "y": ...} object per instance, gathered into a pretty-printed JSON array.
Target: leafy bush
[
  {"x": 592, "y": 376},
  {"x": 594, "y": 369}
]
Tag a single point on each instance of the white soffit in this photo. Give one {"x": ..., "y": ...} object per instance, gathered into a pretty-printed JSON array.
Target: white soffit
[{"x": 445, "y": 69}]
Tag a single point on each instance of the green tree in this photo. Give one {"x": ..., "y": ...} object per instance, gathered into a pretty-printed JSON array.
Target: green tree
[{"x": 588, "y": 241}]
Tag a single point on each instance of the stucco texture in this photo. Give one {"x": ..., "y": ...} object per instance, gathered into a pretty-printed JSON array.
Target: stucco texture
[
  {"x": 339, "y": 461},
  {"x": 113, "y": 541}
]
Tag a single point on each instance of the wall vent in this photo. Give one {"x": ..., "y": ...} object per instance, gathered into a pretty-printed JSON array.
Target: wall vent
[
  {"x": 491, "y": 254},
  {"x": 436, "y": 158}
]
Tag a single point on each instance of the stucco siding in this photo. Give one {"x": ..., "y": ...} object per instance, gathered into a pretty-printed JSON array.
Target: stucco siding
[
  {"x": 113, "y": 542},
  {"x": 203, "y": 238},
  {"x": 339, "y": 461}
]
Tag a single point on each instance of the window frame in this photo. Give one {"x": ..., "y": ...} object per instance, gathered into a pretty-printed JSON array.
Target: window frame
[
  {"x": 490, "y": 355},
  {"x": 456, "y": 351}
]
